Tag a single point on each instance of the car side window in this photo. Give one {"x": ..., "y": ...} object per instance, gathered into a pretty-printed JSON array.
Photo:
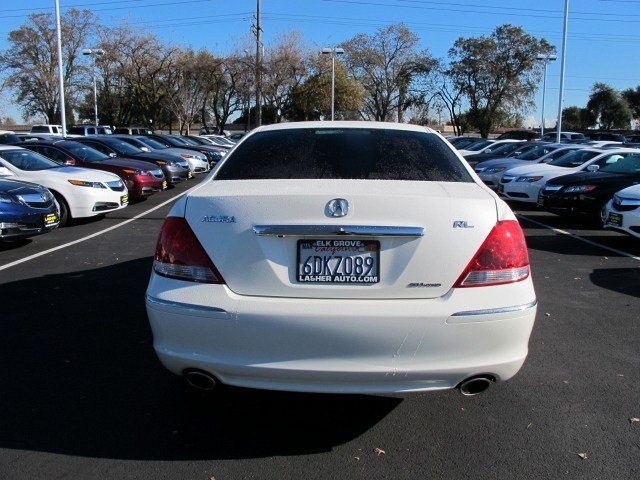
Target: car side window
[
  {"x": 99, "y": 147},
  {"x": 54, "y": 154}
]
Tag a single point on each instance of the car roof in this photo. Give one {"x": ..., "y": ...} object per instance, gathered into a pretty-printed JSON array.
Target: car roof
[{"x": 345, "y": 124}]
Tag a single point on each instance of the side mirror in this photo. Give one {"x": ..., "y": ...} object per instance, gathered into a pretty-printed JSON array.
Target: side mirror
[
  {"x": 593, "y": 168},
  {"x": 5, "y": 172},
  {"x": 112, "y": 155},
  {"x": 69, "y": 161},
  {"x": 145, "y": 149}
]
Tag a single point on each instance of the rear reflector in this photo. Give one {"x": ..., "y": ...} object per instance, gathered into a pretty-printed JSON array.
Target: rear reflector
[
  {"x": 502, "y": 258},
  {"x": 180, "y": 255}
]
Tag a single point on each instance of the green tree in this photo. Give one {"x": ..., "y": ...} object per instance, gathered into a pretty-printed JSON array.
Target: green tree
[
  {"x": 311, "y": 100},
  {"x": 608, "y": 107},
  {"x": 389, "y": 67},
  {"x": 576, "y": 118},
  {"x": 31, "y": 63},
  {"x": 632, "y": 96},
  {"x": 498, "y": 73}
]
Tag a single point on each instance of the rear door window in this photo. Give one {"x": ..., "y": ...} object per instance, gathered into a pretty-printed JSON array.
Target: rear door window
[{"x": 334, "y": 153}]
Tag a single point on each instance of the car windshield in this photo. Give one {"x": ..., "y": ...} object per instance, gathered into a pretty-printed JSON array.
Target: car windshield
[
  {"x": 167, "y": 142},
  {"x": 334, "y": 153},
  {"x": 9, "y": 138},
  {"x": 85, "y": 153},
  {"x": 522, "y": 149},
  {"x": 574, "y": 158},
  {"x": 536, "y": 153},
  {"x": 183, "y": 141},
  {"x": 578, "y": 136},
  {"x": 124, "y": 147},
  {"x": 28, "y": 161},
  {"x": 628, "y": 165},
  {"x": 479, "y": 145},
  {"x": 461, "y": 143},
  {"x": 506, "y": 148},
  {"x": 150, "y": 142}
]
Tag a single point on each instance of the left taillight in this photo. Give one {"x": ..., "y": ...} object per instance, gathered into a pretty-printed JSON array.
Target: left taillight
[
  {"x": 180, "y": 255},
  {"x": 502, "y": 258}
]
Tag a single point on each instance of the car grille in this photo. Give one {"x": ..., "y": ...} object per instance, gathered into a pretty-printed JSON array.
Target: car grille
[
  {"x": 517, "y": 195},
  {"x": 38, "y": 200},
  {"x": 116, "y": 186},
  {"x": 157, "y": 173}
]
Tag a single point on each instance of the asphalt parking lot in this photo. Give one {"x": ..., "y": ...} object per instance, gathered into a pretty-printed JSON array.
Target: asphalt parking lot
[{"x": 84, "y": 396}]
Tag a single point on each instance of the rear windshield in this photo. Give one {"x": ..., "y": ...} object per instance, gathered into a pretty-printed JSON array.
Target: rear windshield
[{"x": 334, "y": 153}]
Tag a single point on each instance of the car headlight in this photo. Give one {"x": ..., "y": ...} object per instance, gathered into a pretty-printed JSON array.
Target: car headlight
[
  {"x": 5, "y": 198},
  {"x": 186, "y": 155},
  {"x": 580, "y": 188},
  {"x": 83, "y": 183},
  {"x": 529, "y": 179},
  {"x": 495, "y": 170},
  {"x": 135, "y": 171},
  {"x": 480, "y": 169}
]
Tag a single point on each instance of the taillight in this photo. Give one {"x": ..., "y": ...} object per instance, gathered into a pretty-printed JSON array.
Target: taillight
[
  {"x": 180, "y": 255},
  {"x": 502, "y": 258}
]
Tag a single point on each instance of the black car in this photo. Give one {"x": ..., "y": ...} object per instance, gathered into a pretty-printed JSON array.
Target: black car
[
  {"x": 213, "y": 154},
  {"x": 26, "y": 210},
  {"x": 585, "y": 193},
  {"x": 508, "y": 150},
  {"x": 174, "y": 170},
  {"x": 527, "y": 135}
]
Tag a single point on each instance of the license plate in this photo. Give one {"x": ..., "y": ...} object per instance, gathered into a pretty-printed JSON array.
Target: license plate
[
  {"x": 500, "y": 188},
  {"x": 338, "y": 261},
  {"x": 540, "y": 200},
  {"x": 124, "y": 199},
  {"x": 50, "y": 219},
  {"x": 164, "y": 185},
  {"x": 189, "y": 175},
  {"x": 615, "y": 219}
]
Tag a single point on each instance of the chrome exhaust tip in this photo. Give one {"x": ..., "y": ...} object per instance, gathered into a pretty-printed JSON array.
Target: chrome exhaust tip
[
  {"x": 200, "y": 380},
  {"x": 474, "y": 386}
]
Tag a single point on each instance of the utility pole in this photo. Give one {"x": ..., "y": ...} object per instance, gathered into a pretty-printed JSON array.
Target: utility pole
[
  {"x": 258, "y": 34},
  {"x": 563, "y": 61},
  {"x": 63, "y": 116}
]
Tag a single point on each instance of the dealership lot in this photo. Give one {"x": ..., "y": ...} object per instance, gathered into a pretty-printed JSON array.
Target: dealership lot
[{"x": 84, "y": 395}]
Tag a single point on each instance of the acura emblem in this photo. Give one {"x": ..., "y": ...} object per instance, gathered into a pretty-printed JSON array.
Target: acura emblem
[{"x": 338, "y": 207}]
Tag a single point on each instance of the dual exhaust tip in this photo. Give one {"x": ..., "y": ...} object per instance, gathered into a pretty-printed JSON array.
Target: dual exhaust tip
[{"x": 203, "y": 381}]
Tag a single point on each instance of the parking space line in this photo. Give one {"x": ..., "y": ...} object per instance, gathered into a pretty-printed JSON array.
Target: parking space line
[
  {"x": 578, "y": 237},
  {"x": 93, "y": 235}
]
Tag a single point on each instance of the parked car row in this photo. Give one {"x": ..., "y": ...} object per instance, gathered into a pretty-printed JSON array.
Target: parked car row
[
  {"x": 46, "y": 182},
  {"x": 596, "y": 180}
]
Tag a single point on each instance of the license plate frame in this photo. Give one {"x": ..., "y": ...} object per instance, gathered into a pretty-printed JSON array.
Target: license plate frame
[
  {"x": 124, "y": 199},
  {"x": 614, "y": 219},
  {"x": 50, "y": 219},
  {"x": 164, "y": 185},
  {"x": 344, "y": 271},
  {"x": 500, "y": 188}
]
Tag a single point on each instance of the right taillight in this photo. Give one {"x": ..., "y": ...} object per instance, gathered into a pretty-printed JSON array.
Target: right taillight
[
  {"x": 502, "y": 258},
  {"x": 180, "y": 255}
]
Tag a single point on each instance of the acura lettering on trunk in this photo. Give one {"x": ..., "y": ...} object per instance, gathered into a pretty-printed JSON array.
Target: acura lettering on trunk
[{"x": 335, "y": 267}]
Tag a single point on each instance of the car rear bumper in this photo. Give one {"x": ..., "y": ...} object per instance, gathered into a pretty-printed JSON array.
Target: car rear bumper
[
  {"x": 521, "y": 191},
  {"x": 341, "y": 346}
]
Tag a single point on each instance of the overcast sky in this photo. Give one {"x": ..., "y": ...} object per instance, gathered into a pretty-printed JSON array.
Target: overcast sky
[{"x": 603, "y": 42}]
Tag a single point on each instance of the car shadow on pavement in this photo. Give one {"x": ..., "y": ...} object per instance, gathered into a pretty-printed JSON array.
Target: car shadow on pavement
[
  {"x": 80, "y": 378},
  {"x": 621, "y": 280},
  {"x": 566, "y": 245}
]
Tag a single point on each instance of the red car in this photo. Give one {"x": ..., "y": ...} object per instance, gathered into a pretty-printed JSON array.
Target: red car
[{"x": 141, "y": 178}]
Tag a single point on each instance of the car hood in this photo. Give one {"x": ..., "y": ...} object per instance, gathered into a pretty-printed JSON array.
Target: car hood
[
  {"x": 632, "y": 193},
  {"x": 17, "y": 187},
  {"x": 593, "y": 178},
  {"x": 505, "y": 162},
  {"x": 130, "y": 163},
  {"x": 538, "y": 169},
  {"x": 88, "y": 174}
]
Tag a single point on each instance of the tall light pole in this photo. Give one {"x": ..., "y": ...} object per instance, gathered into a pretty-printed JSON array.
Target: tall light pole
[
  {"x": 333, "y": 51},
  {"x": 546, "y": 59},
  {"x": 562, "y": 64},
  {"x": 63, "y": 119},
  {"x": 92, "y": 52}
]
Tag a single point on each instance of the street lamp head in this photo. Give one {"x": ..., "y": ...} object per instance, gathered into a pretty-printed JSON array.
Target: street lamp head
[
  {"x": 548, "y": 58},
  {"x": 93, "y": 51},
  {"x": 326, "y": 50},
  {"x": 87, "y": 51},
  {"x": 339, "y": 51}
]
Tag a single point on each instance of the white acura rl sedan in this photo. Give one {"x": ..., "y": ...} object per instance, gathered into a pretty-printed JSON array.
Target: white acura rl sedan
[{"x": 344, "y": 257}]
